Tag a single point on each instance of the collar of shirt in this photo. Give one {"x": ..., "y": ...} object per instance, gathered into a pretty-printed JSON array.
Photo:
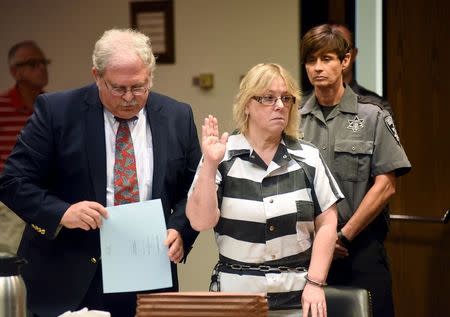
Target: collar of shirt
[
  {"x": 238, "y": 145},
  {"x": 348, "y": 103},
  {"x": 113, "y": 122}
]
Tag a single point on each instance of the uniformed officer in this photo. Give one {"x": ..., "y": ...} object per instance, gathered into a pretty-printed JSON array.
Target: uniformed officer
[{"x": 359, "y": 142}]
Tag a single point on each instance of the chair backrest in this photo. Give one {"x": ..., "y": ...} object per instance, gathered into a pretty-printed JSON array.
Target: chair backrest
[{"x": 344, "y": 301}]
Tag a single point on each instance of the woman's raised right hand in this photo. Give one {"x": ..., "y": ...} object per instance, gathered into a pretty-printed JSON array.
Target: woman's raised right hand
[{"x": 213, "y": 146}]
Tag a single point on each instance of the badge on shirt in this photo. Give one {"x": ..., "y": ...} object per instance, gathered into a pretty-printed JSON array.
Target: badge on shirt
[
  {"x": 391, "y": 127},
  {"x": 355, "y": 124}
]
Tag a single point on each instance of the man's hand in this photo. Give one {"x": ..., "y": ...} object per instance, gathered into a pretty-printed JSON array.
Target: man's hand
[
  {"x": 340, "y": 251},
  {"x": 85, "y": 215},
  {"x": 175, "y": 244}
]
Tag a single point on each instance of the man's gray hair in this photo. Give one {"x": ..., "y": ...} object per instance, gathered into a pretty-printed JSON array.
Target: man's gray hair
[{"x": 117, "y": 45}]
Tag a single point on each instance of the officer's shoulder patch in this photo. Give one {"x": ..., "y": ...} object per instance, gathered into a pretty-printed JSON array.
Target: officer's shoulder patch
[{"x": 391, "y": 127}]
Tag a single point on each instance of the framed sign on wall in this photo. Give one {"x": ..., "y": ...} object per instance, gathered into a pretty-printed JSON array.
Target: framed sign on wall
[{"x": 155, "y": 19}]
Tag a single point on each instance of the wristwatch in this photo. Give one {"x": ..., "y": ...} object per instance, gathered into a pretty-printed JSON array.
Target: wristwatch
[{"x": 343, "y": 239}]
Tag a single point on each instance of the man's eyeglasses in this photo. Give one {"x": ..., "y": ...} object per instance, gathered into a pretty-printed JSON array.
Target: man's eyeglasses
[
  {"x": 120, "y": 91},
  {"x": 34, "y": 63},
  {"x": 270, "y": 100}
]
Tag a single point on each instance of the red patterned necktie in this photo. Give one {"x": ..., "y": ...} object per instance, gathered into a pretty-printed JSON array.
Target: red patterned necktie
[{"x": 126, "y": 188}]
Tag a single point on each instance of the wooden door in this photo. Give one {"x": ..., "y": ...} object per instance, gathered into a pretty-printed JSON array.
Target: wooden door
[{"x": 418, "y": 87}]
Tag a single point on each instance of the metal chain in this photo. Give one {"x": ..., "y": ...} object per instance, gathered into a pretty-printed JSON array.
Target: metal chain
[{"x": 266, "y": 268}]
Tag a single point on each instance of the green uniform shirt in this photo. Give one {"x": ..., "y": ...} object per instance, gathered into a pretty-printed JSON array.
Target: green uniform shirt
[{"x": 358, "y": 141}]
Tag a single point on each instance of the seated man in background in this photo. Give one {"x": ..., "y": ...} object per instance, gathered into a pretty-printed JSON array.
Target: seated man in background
[{"x": 28, "y": 67}]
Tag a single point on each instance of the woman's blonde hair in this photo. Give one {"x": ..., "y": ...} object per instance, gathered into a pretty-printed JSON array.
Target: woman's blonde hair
[{"x": 254, "y": 83}]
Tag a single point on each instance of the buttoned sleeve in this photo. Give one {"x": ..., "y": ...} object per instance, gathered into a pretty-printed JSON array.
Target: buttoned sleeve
[{"x": 388, "y": 154}]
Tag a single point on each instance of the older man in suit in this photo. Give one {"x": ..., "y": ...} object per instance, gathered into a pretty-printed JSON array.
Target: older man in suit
[{"x": 63, "y": 172}]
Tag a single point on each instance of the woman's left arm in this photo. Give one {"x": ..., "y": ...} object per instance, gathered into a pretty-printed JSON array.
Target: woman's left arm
[{"x": 313, "y": 298}]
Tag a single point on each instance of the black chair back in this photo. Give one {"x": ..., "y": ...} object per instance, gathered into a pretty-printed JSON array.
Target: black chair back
[{"x": 343, "y": 301}]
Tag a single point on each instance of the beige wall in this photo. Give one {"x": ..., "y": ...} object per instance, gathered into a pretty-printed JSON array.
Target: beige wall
[{"x": 225, "y": 38}]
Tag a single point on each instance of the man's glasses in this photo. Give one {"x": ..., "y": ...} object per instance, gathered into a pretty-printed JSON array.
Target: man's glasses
[
  {"x": 34, "y": 63},
  {"x": 270, "y": 100},
  {"x": 120, "y": 91}
]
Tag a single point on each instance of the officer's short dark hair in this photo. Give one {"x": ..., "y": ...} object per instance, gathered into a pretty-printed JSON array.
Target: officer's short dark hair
[{"x": 323, "y": 39}]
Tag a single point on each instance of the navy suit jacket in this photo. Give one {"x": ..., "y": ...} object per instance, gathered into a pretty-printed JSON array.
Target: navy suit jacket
[{"x": 59, "y": 160}]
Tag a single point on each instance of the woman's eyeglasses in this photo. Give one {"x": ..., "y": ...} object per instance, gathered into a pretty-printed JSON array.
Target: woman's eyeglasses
[{"x": 270, "y": 100}]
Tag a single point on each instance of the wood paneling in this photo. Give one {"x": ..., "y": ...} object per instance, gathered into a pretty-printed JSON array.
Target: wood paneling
[{"x": 418, "y": 87}]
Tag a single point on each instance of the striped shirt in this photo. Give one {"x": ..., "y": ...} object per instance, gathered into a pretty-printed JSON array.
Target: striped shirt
[
  {"x": 267, "y": 216},
  {"x": 13, "y": 116}
]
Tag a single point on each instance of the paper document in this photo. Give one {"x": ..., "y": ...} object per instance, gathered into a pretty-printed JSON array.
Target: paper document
[{"x": 134, "y": 257}]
